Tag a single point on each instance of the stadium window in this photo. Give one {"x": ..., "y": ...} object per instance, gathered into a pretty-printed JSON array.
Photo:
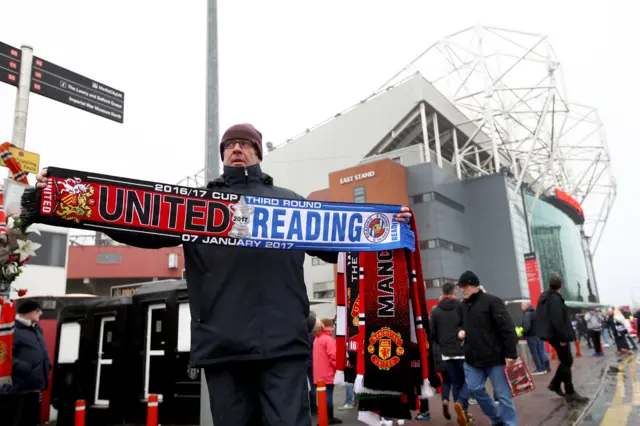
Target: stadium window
[
  {"x": 316, "y": 261},
  {"x": 432, "y": 283},
  {"x": 359, "y": 195},
  {"x": 328, "y": 294}
]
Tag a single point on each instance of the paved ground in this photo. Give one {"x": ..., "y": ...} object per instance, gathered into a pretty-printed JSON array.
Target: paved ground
[
  {"x": 618, "y": 402},
  {"x": 536, "y": 408},
  {"x": 615, "y": 397}
]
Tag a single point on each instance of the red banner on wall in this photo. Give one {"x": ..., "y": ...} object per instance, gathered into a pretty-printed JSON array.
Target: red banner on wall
[{"x": 533, "y": 277}]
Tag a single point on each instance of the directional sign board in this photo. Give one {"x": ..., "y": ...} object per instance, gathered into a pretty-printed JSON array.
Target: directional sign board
[
  {"x": 57, "y": 83},
  {"x": 29, "y": 161},
  {"x": 9, "y": 64}
]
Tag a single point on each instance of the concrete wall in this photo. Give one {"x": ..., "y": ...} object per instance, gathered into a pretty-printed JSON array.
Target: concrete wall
[
  {"x": 304, "y": 164},
  {"x": 438, "y": 220},
  {"x": 46, "y": 273},
  {"x": 492, "y": 244}
]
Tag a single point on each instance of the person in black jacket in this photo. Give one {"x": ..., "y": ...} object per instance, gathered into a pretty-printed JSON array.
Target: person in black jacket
[
  {"x": 490, "y": 343},
  {"x": 249, "y": 306},
  {"x": 536, "y": 346},
  {"x": 446, "y": 323},
  {"x": 554, "y": 326},
  {"x": 30, "y": 367}
]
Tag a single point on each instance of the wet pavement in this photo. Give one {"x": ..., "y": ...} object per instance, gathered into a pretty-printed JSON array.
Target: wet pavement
[
  {"x": 542, "y": 407},
  {"x": 618, "y": 402}
]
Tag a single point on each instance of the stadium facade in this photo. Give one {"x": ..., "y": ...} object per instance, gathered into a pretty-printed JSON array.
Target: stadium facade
[{"x": 506, "y": 177}]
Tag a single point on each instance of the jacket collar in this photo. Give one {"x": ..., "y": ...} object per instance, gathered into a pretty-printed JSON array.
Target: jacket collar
[
  {"x": 475, "y": 296},
  {"x": 326, "y": 332},
  {"x": 232, "y": 176},
  {"x": 24, "y": 321}
]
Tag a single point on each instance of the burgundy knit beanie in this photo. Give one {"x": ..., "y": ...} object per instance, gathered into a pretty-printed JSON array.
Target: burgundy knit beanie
[{"x": 245, "y": 132}]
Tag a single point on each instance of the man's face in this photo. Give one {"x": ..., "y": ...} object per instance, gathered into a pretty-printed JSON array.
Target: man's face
[
  {"x": 34, "y": 315},
  {"x": 239, "y": 153},
  {"x": 467, "y": 290}
]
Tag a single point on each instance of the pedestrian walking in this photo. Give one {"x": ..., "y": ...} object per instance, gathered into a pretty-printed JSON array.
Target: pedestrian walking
[
  {"x": 446, "y": 323},
  {"x": 535, "y": 344},
  {"x": 490, "y": 343},
  {"x": 554, "y": 326},
  {"x": 594, "y": 327}
]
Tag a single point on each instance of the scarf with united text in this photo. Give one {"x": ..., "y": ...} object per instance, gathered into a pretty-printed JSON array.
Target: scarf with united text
[
  {"x": 385, "y": 336},
  {"x": 92, "y": 201}
]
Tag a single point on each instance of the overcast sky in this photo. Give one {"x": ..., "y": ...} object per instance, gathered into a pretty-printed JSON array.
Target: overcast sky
[{"x": 287, "y": 65}]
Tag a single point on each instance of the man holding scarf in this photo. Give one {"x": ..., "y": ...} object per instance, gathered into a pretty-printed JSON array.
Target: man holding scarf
[{"x": 249, "y": 306}]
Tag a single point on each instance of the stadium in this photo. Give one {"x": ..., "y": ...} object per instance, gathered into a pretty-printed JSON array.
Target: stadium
[{"x": 507, "y": 175}]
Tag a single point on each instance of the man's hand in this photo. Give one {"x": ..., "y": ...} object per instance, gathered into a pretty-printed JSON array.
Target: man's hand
[
  {"x": 563, "y": 343},
  {"x": 317, "y": 328},
  {"x": 404, "y": 215},
  {"x": 42, "y": 179},
  {"x": 462, "y": 335},
  {"x": 509, "y": 362}
]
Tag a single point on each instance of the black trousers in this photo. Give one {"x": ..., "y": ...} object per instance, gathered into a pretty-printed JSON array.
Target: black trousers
[
  {"x": 594, "y": 335},
  {"x": 255, "y": 393},
  {"x": 563, "y": 373},
  {"x": 312, "y": 390},
  {"x": 20, "y": 409}
]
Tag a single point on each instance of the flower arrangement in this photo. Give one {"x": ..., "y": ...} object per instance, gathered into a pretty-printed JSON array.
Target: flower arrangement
[{"x": 16, "y": 249}]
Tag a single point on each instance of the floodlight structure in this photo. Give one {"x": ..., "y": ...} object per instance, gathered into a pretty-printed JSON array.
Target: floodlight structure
[
  {"x": 510, "y": 86},
  {"x": 195, "y": 180}
]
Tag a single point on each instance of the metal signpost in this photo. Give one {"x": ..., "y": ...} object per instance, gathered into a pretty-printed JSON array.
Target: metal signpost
[{"x": 211, "y": 153}]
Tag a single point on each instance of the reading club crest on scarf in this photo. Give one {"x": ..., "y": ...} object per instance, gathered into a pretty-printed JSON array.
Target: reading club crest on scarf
[
  {"x": 376, "y": 228},
  {"x": 241, "y": 219},
  {"x": 386, "y": 357}
]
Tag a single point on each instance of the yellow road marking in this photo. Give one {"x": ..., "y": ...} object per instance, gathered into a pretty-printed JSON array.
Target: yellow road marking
[
  {"x": 635, "y": 384},
  {"x": 618, "y": 413}
]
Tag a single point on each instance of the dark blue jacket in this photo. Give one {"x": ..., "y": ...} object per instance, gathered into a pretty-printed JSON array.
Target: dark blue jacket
[
  {"x": 31, "y": 362},
  {"x": 310, "y": 359},
  {"x": 247, "y": 304},
  {"x": 529, "y": 322}
]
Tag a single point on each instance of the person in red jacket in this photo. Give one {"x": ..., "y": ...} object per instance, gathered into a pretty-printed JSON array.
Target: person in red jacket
[{"x": 324, "y": 364}]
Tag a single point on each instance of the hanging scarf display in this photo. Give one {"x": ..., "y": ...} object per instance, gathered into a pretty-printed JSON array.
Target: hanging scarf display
[
  {"x": 384, "y": 382},
  {"x": 387, "y": 367},
  {"x": 341, "y": 320},
  {"x": 7, "y": 306},
  {"x": 424, "y": 362},
  {"x": 97, "y": 202},
  {"x": 352, "y": 277},
  {"x": 7, "y": 327},
  {"x": 388, "y": 391}
]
